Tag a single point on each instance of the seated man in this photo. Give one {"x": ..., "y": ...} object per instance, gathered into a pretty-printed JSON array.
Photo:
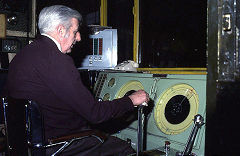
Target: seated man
[{"x": 44, "y": 73}]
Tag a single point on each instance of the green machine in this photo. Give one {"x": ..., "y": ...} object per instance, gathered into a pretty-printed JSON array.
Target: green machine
[{"x": 175, "y": 100}]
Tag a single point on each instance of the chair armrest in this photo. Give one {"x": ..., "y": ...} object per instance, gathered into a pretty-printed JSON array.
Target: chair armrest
[{"x": 82, "y": 134}]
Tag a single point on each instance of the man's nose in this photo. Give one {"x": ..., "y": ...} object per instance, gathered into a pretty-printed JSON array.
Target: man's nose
[{"x": 78, "y": 37}]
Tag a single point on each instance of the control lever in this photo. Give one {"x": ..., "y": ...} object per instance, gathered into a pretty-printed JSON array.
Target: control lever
[
  {"x": 198, "y": 122},
  {"x": 140, "y": 128}
]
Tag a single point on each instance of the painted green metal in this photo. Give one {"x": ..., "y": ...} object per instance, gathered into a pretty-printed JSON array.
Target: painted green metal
[{"x": 156, "y": 85}]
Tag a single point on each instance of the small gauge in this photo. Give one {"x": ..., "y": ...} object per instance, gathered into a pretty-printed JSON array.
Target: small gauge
[
  {"x": 106, "y": 97},
  {"x": 111, "y": 82}
]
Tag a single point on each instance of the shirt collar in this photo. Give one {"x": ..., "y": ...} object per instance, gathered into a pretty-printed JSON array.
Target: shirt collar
[{"x": 54, "y": 40}]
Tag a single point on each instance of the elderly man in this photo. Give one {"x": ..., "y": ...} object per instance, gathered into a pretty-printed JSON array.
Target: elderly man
[{"x": 44, "y": 73}]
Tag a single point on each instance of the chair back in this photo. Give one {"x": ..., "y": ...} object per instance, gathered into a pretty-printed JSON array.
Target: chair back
[
  {"x": 24, "y": 127},
  {"x": 35, "y": 136}
]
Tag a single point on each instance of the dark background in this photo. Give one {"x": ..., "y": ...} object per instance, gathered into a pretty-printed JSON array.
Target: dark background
[{"x": 173, "y": 33}]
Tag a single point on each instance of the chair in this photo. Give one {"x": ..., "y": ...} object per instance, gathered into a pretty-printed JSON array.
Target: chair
[{"x": 25, "y": 131}]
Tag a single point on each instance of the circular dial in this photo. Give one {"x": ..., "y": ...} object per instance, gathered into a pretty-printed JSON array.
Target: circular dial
[
  {"x": 129, "y": 88},
  {"x": 111, "y": 82},
  {"x": 106, "y": 97},
  {"x": 175, "y": 110}
]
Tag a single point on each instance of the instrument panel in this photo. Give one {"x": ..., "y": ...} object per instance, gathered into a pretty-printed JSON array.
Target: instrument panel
[{"x": 175, "y": 100}]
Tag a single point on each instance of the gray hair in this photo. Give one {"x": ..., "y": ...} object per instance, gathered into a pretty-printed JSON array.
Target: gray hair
[{"x": 51, "y": 17}]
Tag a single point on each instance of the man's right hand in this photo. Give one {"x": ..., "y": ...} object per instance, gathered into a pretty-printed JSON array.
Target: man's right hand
[{"x": 139, "y": 97}]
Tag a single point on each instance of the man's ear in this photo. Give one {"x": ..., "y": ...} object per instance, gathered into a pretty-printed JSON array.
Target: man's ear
[{"x": 61, "y": 31}]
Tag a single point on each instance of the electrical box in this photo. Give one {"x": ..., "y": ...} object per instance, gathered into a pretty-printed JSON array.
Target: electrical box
[{"x": 103, "y": 51}]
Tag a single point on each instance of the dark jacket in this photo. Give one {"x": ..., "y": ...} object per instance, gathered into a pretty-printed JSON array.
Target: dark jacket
[{"x": 42, "y": 73}]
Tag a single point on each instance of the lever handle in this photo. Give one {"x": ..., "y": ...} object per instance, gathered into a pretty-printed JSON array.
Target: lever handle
[{"x": 198, "y": 122}]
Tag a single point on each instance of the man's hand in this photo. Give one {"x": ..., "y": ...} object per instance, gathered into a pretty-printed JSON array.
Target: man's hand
[{"x": 139, "y": 97}]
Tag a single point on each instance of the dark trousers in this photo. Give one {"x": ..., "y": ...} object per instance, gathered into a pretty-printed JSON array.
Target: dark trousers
[{"x": 91, "y": 146}]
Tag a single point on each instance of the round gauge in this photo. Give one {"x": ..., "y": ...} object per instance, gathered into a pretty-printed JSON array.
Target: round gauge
[
  {"x": 129, "y": 88},
  {"x": 106, "y": 97},
  {"x": 111, "y": 82},
  {"x": 175, "y": 110}
]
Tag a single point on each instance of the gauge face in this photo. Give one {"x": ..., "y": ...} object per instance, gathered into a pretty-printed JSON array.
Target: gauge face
[
  {"x": 129, "y": 88},
  {"x": 175, "y": 109},
  {"x": 111, "y": 82},
  {"x": 106, "y": 97}
]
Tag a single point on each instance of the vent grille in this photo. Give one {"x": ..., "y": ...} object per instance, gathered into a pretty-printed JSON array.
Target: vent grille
[{"x": 99, "y": 85}]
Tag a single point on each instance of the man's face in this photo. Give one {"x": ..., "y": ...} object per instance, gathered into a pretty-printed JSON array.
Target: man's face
[{"x": 71, "y": 37}]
